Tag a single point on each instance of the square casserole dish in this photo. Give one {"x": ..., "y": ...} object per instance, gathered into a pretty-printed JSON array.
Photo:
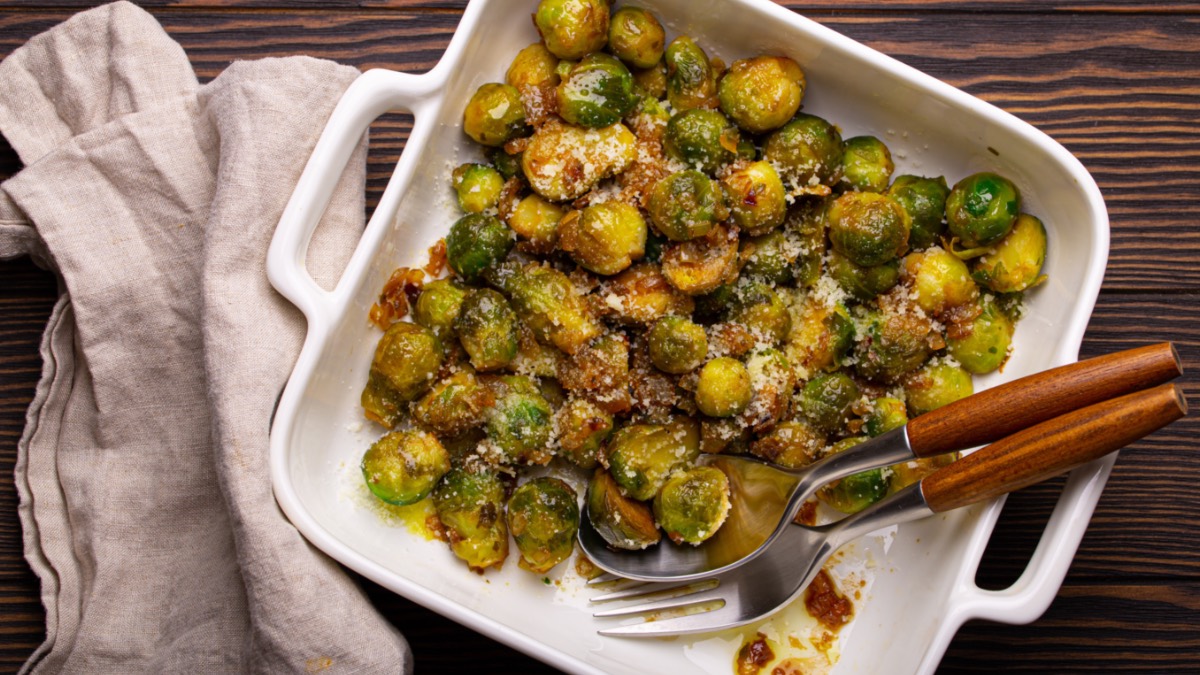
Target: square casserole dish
[{"x": 925, "y": 587}]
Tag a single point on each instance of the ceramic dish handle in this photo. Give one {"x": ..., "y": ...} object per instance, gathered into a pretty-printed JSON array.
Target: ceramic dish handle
[{"x": 374, "y": 93}]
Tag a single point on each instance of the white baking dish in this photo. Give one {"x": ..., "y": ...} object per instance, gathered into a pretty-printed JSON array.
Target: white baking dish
[{"x": 923, "y": 591}]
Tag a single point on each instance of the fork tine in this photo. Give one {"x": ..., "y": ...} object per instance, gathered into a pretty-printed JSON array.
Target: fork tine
[
  {"x": 606, "y": 578},
  {"x": 720, "y": 618},
  {"x": 689, "y": 596},
  {"x": 662, "y": 591}
]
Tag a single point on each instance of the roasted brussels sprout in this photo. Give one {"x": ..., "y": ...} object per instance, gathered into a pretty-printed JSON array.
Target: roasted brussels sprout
[
  {"x": 521, "y": 422},
  {"x": 438, "y": 306},
  {"x": 543, "y": 516},
  {"x": 793, "y": 445},
  {"x": 807, "y": 152},
  {"x": 870, "y": 229},
  {"x": 983, "y": 346},
  {"x": 494, "y": 115},
  {"x": 536, "y": 220},
  {"x": 855, "y": 493},
  {"x": 757, "y": 200},
  {"x": 762, "y": 93},
  {"x": 582, "y": 429},
  {"x": 768, "y": 258},
  {"x": 886, "y": 413},
  {"x": 563, "y": 161},
  {"x": 641, "y": 295},
  {"x": 572, "y": 29},
  {"x": 760, "y": 309},
  {"x": 1015, "y": 262},
  {"x": 533, "y": 66},
  {"x": 724, "y": 387},
  {"x": 805, "y": 229},
  {"x": 406, "y": 360},
  {"x": 937, "y": 384},
  {"x": 455, "y": 405},
  {"x": 821, "y": 336},
  {"x": 677, "y": 345},
  {"x": 597, "y": 93},
  {"x": 470, "y": 505},
  {"x": 403, "y": 466},
  {"x": 938, "y": 280},
  {"x": 652, "y": 81},
  {"x": 686, "y": 205},
  {"x": 925, "y": 201},
  {"x": 550, "y": 305},
  {"x": 477, "y": 242},
  {"x": 690, "y": 82},
  {"x": 864, "y": 283},
  {"x": 826, "y": 400},
  {"x": 701, "y": 265},
  {"x": 487, "y": 328},
  {"x": 896, "y": 344},
  {"x": 604, "y": 238},
  {"x": 866, "y": 164},
  {"x": 477, "y": 186},
  {"x": 702, "y": 139},
  {"x": 636, "y": 37},
  {"x": 982, "y": 208},
  {"x": 772, "y": 380},
  {"x": 642, "y": 456},
  {"x": 623, "y": 522},
  {"x": 693, "y": 504}
]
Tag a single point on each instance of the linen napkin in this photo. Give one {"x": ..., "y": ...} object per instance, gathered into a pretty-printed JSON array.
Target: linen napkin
[{"x": 145, "y": 495}]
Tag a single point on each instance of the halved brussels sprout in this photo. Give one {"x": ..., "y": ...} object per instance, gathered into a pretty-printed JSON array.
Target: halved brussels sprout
[
  {"x": 494, "y": 115},
  {"x": 582, "y": 429},
  {"x": 886, "y": 413},
  {"x": 543, "y": 516},
  {"x": 724, "y": 387},
  {"x": 690, "y": 82},
  {"x": 821, "y": 336},
  {"x": 864, "y": 283},
  {"x": 477, "y": 186},
  {"x": 1015, "y": 262},
  {"x": 521, "y": 422},
  {"x": 773, "y": 381},
  {"x": 563, "y": 161},
  {"x": 770, "y": 257},
  {"x": 896, "y": 344},
  {"x": 925, "y": 201},
  {"x": 406, "y": 360},
  {"x": 403, "y": 466},
  {"x": 693, "y": 504},
  {"x": 572, "y": 29},
  {"x": 455, "y": 405},
  {"x": 641, "y": 295},
  {"x": 756, "y": 198},
  {"x": 701, "y": 265},
  {"x": 718, "y": 434},
  {"x": 623, "y": 522},
  {"x": 438, "y": 306},
  {"x": 604, "y": 238},
  {"x": 686, "y": 205},
  {"x": 807, "y": 152},
  {"x": 939, "y": 280},
  {"x": 762, "y": 93},
  {"x": 533, "y": 67},
  {"x": 677, "y": 345},
  {"x": 759, "y": 308},
  {"x": 870, "y": 229},
  {"x": 642, "y": 456},
  {"x": 636, "y": 37},
  {"x": 855, "y": 493},
  {"x": 866, "y": 164},
  {"x": 793, "y": 445},
  {"x": 551, "y": 306},
  {"x": 983, "y": 346},
  {"x": 477, "y": 242},
  {"x": 487, "y": 328},
  {"x": 537, "y": 220},
  {"x": 826, "y": 400},
  {"x": 702, "y": 139},
  {"x": 598, "y": 92},
  {"x": 936, "y": 385},
  {"x": 470, "y": 505},
  {"x": 982, "y": 208}
]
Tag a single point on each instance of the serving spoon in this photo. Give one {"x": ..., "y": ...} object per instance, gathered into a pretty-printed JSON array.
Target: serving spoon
[{"x": 764, "y": 498}]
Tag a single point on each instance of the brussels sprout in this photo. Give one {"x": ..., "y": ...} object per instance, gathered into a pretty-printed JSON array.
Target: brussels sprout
[
  {"x": 438, "y": 306},
  {"x": 597, "y": 93},
  {"x": 821, "y": 336},
  {"x": 470, "y": 505},
  {"x": 494, "y": 115},
  {"x": 762, "y": 93},
  {"x": 982, "y": 209},
  {"x": 478, "y": 187},
  {"x": 757, "y": 200},
  {"x": 701, "y": 265},
  {"x": 562, "y": 161},
  {"x": 604, "y": 238},
  {"x": 700, "y": 138},
  {"x": 792, "y": 445},
  {"x": 677, "y": 345},
  {"x": 718, "y": 434},
  {"x": 826, "y": 399},
  {"x": 641, "y": 295},
  {"x": 533, "y": 67},
  {"x": 455, "y": 405},
  {"x": 564, "y": 67},
  {"x": 724, "y": 388},
  {"x": 406, "y": 360},
  {"x": 807, "y": 152},
  {"x": 855, "y": 493},
  {"x": 652, "y": 81},
  {"x": 759, "y": 308},
  {"x": 769, "y": 257},
  {"x": 886, "y": 413},
  {"x": 773, "y": 381},
  {"x": 477, "y": 242},
  {"x": 487, "y": 329},
  {"x": 686, "y": 205},
  {"x": 600, "y": 371},
  {"x": 936, "y": 385},
  {"x": 925, "y": 201},
  {"x": 636, "y": 37},
  {"x": 403, "y": 466},
  {"x": 896, "y": 343},
  {"x": 870, "y": 229},
  {"x": 938, "y": 279},
  {"x": 805, "y": 228},
  {"x": 582, "y": 429},
  {"x": 543, "y": 516},
  {"x": 1015, "y": 262},
  {"x": 623, "y": 522},
  {"x": 693, "y": 504},
  {"x": 690, "y": 82},
  {"x": 642, "y": 456},
  {"x": 866, "y": 164},
  {"x": 547, "y": 301},
  {"x": 572, "y": 28},
  {"x": 520, "y": 424},
  {"x": 508, "y": 165},
  {"x": 864, "y": 283},
  {"x": 984, "y": 346},
  {"x": 536, "y": 219}
]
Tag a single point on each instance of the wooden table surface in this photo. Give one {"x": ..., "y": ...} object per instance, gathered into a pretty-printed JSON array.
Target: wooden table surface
[{"x": 1116, "y": 81}]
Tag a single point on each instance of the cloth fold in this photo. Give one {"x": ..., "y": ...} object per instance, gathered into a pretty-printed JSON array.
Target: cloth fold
[{"x": 143, "y": 472}]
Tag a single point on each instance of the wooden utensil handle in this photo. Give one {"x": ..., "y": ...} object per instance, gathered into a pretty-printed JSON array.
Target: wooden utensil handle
[
  {"x": 998, "y": 412},
  {"x": 1053, "y": 447}
]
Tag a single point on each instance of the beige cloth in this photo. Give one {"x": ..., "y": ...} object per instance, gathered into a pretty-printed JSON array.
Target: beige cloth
[{"x": 145, "y": 493}]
